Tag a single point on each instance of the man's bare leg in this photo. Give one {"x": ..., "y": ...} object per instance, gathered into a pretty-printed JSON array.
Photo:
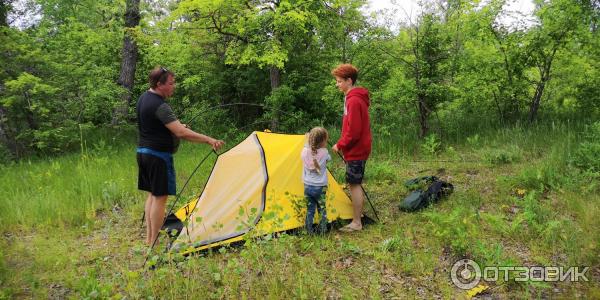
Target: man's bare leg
[
  {"x": 357, "y": 204},
  {"x": 157, "y": 215},
  {"x": 147, "y": 218}
]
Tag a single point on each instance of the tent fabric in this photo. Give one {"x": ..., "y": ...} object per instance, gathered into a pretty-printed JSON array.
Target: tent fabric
[{"x": 255, "y": 188}]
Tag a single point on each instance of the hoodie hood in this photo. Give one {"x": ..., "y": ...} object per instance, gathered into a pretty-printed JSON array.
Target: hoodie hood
[{"x": 361, "y": 93}]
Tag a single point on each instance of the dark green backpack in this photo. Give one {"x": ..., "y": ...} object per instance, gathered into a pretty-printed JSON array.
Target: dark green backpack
[{"x": 426, "y": 190}]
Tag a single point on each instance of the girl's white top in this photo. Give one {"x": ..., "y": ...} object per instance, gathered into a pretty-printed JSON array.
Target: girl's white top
[{"x": 310, "y": 175}]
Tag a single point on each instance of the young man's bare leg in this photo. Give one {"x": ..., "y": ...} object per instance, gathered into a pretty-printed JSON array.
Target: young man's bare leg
[
  {"x": 357, "y": 204},
  {"x": 157, "y": 215},
  {"x": 147, "y": 207}
]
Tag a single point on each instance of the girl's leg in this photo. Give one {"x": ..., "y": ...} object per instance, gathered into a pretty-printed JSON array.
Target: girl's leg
[
  {"x": 323, "y": 213},
  {"x": 310, "y": 214},
  {"x": 309, "y": 195}
]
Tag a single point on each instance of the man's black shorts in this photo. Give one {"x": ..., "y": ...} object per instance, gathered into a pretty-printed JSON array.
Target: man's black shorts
[
  {"x": 355, "y": 171},
  {"x": 156, "y": 175}
]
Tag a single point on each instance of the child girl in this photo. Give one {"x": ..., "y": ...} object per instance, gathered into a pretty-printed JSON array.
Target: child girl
[{"x": 314, "y": 162}]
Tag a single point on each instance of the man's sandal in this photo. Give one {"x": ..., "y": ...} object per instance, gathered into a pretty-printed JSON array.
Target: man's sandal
[{"x": 349, "y": 228}]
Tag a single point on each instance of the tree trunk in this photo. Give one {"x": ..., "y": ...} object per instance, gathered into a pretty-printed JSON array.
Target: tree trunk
[
  {"x": 4, "y": 138},
  {"x": 4, "y": 135},
  {"x": 423, "y": 113},
  {"x": 275, "y": 75},
  {"x": 539, "y": 90},
  {"x": 535, "y": 102},
  {"x": 128, "y": 61},
  {"x": 500, "y": 113},
  {"x": 29, "y": 116}
]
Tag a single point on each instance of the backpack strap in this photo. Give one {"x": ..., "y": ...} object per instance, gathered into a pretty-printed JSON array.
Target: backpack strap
[
  {"x": 438, "y": 189},
  {"x": 415, "y": 181}
]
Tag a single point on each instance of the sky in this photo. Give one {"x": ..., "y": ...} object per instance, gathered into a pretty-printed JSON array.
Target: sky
[{"x": 402, "y": 9}]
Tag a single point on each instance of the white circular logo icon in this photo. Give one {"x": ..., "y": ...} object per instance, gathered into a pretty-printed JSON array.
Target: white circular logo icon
[{"x": 465, "y": 274}]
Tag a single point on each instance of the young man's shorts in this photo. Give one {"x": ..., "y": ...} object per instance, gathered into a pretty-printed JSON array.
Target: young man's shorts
[
  {"x": 156, "y": 172},
  {"x": 355, "y": 171}
]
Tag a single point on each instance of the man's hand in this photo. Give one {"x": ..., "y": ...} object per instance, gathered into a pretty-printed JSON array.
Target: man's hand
[
  {"x": 216, "y": 144},
  {"x": 335, "y": 149}
]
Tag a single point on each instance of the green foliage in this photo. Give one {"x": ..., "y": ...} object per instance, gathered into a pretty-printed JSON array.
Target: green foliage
[
  {"x": 455, "y": 229},
  {"x": 503, "y": 156},
  {"x": 91, "y": 288},
  {"x": 85, "y": 183},
  {"x": 431, "y": 145},
  {"x": 485, "y": 220},
  {"x": 382, "y": 171},
  {"x": 474, "y": 141},
  {"x": 4, "y": 274},
  {"x": 280, "y": 106},
  {"x": 5, "y": 154},
  {"x": 395, "y": 244},
  {"x": 62, "y": 73},
  {"x": 467, "y": 70},
  {"x": 587, "y": 155}
]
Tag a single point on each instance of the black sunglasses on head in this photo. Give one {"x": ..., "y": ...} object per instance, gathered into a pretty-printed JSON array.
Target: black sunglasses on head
[{"x": 163, "y": 70}]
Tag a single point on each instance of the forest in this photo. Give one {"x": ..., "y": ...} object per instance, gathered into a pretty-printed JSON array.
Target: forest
[
  {"x": 454, "y": 70},
  {"x": 508, "y": 112}
]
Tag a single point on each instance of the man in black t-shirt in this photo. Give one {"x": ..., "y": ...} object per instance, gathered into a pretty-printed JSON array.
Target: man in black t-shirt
[{"x": 159, "y": 134}]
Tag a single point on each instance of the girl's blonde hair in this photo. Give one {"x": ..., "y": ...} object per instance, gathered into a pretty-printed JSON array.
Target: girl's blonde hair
[{"x": 316, "y": 137}]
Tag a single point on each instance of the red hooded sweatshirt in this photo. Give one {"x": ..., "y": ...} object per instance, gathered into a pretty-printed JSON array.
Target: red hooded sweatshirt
[{"x": 355, "y": 141}]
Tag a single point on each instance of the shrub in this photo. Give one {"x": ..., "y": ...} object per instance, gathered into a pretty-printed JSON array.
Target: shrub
[
  {"x": 431, "y": 144},
  {"x": 587, "y": 155},
  {"x": 456, "y": 229},
  {"x": 503, "y": 156}
]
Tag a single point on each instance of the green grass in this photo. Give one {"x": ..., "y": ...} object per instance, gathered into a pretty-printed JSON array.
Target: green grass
[
  {"x": 71, "y": 225},
  {"x": 70, "y": 190}
]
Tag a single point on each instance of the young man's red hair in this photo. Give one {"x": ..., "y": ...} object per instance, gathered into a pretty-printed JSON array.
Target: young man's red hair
[{"x": 346, "y": 71}]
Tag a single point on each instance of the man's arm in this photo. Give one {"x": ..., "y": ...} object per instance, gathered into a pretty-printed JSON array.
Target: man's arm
[
  {"x": 354, "y": 117},
  {"x": 182, "y": 132}
]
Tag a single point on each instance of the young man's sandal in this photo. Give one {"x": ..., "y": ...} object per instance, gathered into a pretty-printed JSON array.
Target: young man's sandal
[{"x": 349, "y": 228}]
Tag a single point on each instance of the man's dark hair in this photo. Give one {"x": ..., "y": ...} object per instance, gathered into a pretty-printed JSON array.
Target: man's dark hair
[{"x": 159, "y": 74}]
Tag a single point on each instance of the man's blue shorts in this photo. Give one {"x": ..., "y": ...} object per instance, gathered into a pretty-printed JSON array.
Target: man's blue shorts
[{"x": 156, "y": 172}]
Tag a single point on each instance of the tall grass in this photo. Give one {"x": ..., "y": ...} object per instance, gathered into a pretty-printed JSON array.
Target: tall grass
[
  {"x": 523, "y": 202},
  {"x": 67, "y": 189},
  {"x": 71, "y": 189}
]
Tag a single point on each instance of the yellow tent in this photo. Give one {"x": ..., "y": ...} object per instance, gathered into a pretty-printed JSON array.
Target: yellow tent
[{"x": 255, "y": 188}]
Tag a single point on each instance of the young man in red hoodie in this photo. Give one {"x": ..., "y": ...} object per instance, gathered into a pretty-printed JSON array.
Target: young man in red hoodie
[{"x": 355, "y": 142}]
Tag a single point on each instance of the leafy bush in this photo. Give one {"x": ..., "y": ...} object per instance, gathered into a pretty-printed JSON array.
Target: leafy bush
[
  {"x": 474, "y": 140},
  {"x": 431, "y": 145},
  {"x": 456, "y": 229},
  {"x": 280, "y": 108},
  {"x": 587, "y": 156},
  {"x": 5, "y": 155},
  {"x": 395, "y": 243},
  {"x": 503, "y": 156}
]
